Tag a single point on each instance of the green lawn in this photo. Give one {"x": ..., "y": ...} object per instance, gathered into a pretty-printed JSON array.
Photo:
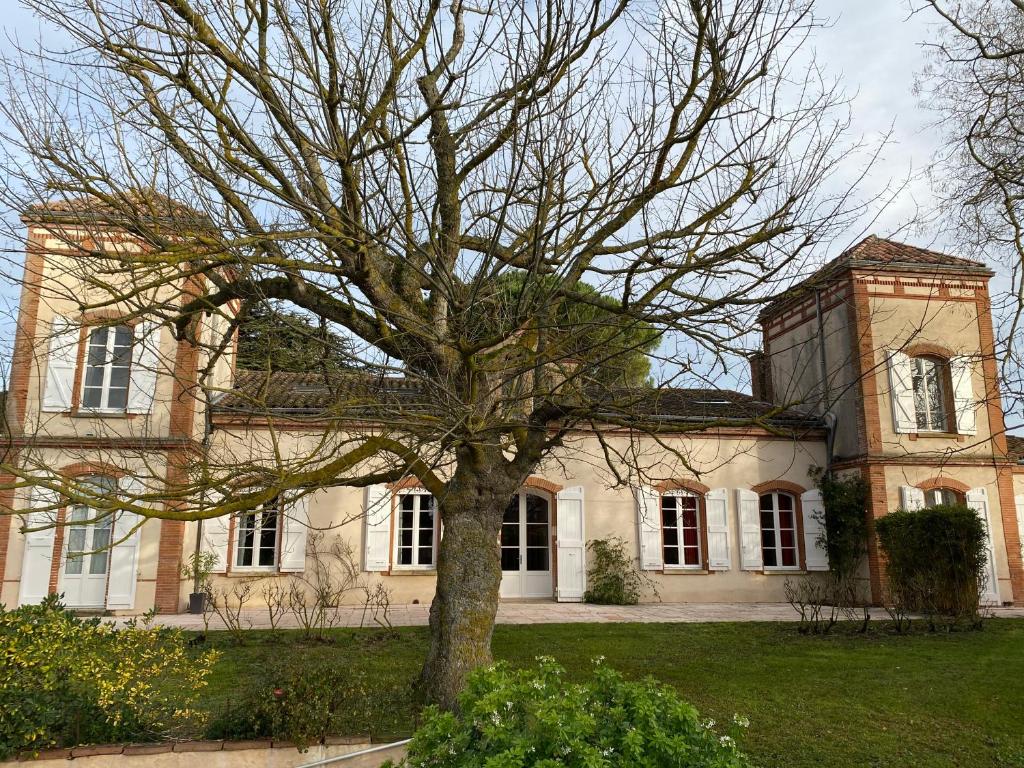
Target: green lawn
[{"x": 840, "y": 700}]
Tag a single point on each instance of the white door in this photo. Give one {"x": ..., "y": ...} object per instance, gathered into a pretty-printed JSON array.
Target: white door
[
  {"x": 86, "y": 560},
  {"x": 526, "y": 547}
]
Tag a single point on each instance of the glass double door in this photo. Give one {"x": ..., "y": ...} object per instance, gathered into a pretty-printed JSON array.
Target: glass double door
[
  {"x": 86, "y": 559},
  {"x": 526, "y": 547}
]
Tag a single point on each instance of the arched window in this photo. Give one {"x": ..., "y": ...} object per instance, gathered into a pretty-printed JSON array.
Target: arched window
[
  {"x": 935, "y": 497},
  {"x": 680, "y": 530},
  {"x": 779, "y": 531},
  {"x": 107, "y": 367},
  {"x": 931, "y": 384}
]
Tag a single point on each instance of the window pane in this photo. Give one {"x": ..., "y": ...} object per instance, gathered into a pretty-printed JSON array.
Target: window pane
[
  {"x": 426, "y": 555},
  {"x": 536, "y": 535},
  {"x": 668, "y": 502},
  {"x": 786, "y": 519},
  {"x": 670, "y": 536},
  {"x": 510, "y": 558},
  {"x": 98, "y": 563},
  {"x": 787, "y": 539},
  {"x": 671, "y": 555},
  {"x": 94, "y": 376},
  {"x": 785, "y": 501},
  {"x": 690, "y": 537},
  {"x": 405, "y": 555},
  {"x": 536, "y": 559},
  {"x": 536, "y": 509},
  {"x": 405, "y": 519},
  {"x": 73, "y": 567},
  {"x": 117, "y": 398},
  {"x": 789, "y": 557},
  {"x": 690, "y": 518},
  {"x": 510, "y": 535},
  {"x": 769, "y": 557},
  {"x": 692, "y": 555},
  {"x": 408, "y": 501},
  {"x": 767, "y": 503},
  {"x": 426, "y": 537},
  {"x": 122, "y": 337},
  {"x": 668, "y": 517},
  {"x": 512, "y": 511}
]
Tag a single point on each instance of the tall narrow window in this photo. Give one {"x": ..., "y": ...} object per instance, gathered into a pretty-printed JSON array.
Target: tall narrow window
[
  {"x": 107, "y": 366},
  {"x": 778, "y": 531},
  {"x": 680, "y": 530},
  {"x": 257, "y": 539},
  {"x": 416, "y": 530},
  {"x": 930, "y": 375}
]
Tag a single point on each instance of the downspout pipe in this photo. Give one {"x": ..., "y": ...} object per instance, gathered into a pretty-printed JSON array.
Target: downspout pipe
[{"x": 826, "y": 395}]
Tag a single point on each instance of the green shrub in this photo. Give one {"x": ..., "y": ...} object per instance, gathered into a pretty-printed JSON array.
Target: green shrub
[
  {"x": 304, "y": 702},
  {"x": 935, "y": 560},
  {"x": 534, "y": 718},
  {"x": 613, "y": 578},
  {"x": 66, "y": 680}
]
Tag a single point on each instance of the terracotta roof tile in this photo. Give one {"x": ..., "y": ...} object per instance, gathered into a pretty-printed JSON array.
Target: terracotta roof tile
[
  {"x": 359, "y": 395},
  {"x": 145, "y": 204},
  {"x": 876, "y": 253},
  {"x": 1015, "y": 447}
]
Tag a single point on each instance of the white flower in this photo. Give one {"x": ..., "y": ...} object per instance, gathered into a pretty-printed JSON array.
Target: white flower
[
  {"x": 707, "y": 724},
  {"x": 741, "y": 720},
  {"x": 726, "y": 741}
]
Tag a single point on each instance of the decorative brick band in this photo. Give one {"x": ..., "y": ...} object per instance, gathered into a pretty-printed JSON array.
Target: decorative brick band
[{"x": 682, "y": 485}]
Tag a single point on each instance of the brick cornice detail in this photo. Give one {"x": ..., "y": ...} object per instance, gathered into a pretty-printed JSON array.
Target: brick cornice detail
[
  {"x": 922, "y": 348},
  {"x": 540, "y": 484},
  {"x": 92, "y": 468},
  {"x": 779, "y": 485},
  {"x": 938, "y": 483},
  {"x": 682, "y": 485}
]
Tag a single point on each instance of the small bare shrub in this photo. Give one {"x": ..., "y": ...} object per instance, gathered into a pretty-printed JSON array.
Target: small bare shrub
[
  {"x": 275, "y": 595},
  {"x": 229, "y": 605},
  {"x": 377, "y": 603},
  {"x": 316, "y": 594}
]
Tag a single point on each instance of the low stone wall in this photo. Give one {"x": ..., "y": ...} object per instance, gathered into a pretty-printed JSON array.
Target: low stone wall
[{"x": 217, "y": 754}]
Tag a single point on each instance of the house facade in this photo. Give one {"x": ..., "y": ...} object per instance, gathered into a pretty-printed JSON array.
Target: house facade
[{"x": 881, "y": 364}]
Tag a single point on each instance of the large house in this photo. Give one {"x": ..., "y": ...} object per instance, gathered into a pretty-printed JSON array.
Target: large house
[{"x": 881, "y": 363}]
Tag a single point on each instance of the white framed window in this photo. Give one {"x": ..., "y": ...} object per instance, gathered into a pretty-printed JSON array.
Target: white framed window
[
  {"x": 929, "y": 378},
  {"x": 778, "y": 531},
  {"x": 257, "y": 538},
  {"x": 935, "y": 497},
  {"x": 108, "y": 363},
  {"x": 415, "y": 530},
  {"x": 680, "y": 530}
]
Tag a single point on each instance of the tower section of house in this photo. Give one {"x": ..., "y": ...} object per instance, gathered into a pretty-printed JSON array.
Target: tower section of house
[
  {"x": 893, "y": 345},
  {"x": 101, "y": 392}
]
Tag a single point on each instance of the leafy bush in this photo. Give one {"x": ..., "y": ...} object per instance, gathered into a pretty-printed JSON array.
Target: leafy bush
[
  {"x": 304, "y": 702},
  {"x": 66, "y": 680},
  {"x": 613, "y": 578},
  {"x": 936, "y": 561},
  {"x": 533, "y": 717}
]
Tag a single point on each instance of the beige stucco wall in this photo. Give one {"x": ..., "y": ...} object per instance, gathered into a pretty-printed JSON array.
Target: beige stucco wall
[{"x": 717, "y": 461}]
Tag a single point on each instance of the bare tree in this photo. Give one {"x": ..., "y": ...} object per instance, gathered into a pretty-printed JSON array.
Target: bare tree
[
  {"x": 974, "y": 82},
  {"x": 503, "y": 203}
]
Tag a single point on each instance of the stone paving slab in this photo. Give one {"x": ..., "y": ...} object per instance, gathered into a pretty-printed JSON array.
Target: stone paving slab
[{"x": 550, "y": 613}]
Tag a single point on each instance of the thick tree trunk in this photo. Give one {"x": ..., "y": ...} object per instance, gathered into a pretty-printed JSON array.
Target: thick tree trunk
[{"x": 468, "y": 577}]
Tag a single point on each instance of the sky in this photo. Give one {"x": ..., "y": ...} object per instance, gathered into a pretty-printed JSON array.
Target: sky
[{"x": 873, "y": 48}]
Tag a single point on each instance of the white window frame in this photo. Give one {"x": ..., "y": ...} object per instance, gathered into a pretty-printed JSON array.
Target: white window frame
[
  {"x": 396, "y": 545},
  {"x": 107, "y": 367},
  {"x": 918, "y": 373},
  {"x": 778, "y": 530},
  {"x": 258, "y": 530},
  {"x": 681, "y": 566}
]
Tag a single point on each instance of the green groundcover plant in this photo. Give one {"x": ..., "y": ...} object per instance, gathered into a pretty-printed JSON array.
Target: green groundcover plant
[
  {"x": 534, "y": 718},
  {"x": 65, "y": 680}
]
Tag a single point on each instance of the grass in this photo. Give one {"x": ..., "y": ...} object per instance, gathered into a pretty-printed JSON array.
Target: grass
[{"x": 840, "y": 700}]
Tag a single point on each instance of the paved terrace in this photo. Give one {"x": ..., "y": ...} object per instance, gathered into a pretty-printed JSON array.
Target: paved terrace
[{"x": 550, "y": 613}]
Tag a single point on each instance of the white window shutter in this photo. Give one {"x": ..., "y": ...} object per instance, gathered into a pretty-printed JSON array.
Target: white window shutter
[
  {"x": 60, "y": 365},
  {"x": 124, "y": 554},
  {"x": 1019, "y": 499},
  {"x": 911, "y": 498},
  {"x": 38, "y": 559},
  {"x": 648, "y": 516},
  {"x": 296, "y": 528},
  {"x": 215, "y": 541},
  {"x": 815, "y": 553},
  {"x": 977, "y": 499},
  {"x": 377, "y": 524},
  {"x": 145, "y": 359},
  {"x": 748, "y": 509},
  {"x": 901, "y": 391},
  {"x": 716, "y": 510},
  {"x": 964, "y": 403},
  {"x": 572, "y": 545}
]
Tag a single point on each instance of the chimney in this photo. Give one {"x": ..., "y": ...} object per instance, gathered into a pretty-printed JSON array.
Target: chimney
[{"x": 760, "y": 377}]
